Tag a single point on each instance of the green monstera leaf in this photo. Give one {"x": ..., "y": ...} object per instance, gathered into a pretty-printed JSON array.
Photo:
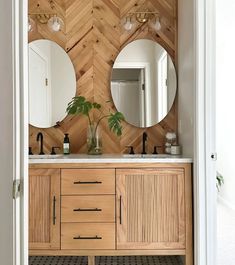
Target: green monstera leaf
[
  {"x": 114, "y": 121},
  {"x": 79, "y": 105}
]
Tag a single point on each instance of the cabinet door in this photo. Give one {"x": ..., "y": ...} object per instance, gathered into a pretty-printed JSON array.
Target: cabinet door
[
  {"x": 44, "y": 208},
  {"x": 150, "y": 208}
]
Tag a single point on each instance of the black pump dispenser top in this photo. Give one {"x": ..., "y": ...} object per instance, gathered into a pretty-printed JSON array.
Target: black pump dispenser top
[{"x": 66, "y": 138}]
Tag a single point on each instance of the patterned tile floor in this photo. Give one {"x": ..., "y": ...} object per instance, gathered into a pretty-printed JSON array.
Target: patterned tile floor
[{"x": 143, "y": 260}]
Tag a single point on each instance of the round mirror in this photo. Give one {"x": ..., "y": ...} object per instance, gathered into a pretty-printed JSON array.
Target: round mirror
[
  {"x": 143, "y": 83},
  {"x": 52, "y": 83}
]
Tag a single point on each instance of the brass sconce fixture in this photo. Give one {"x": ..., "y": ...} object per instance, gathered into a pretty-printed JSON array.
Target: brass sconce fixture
[
  {"x": 53, "y": 21},
  {"x": 152, "y": 18}
]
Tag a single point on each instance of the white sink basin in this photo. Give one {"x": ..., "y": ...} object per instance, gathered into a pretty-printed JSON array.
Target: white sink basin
[
  {"x": 45, "y": 156},
  {"x": 132, "y": 156},
  {"x": 156, "y": 156},
  {"x": 147, "y": 156}
]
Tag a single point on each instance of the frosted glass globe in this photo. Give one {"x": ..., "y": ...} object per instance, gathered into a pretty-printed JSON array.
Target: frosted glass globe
[{"x": 55, "y": 23}]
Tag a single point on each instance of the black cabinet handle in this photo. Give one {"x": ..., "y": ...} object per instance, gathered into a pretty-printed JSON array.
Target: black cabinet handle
[
  {"x": 87, "y": 210},
  {"x": 54, "y": 213},
  {"x": 87, "y": 182},
  {"x": 87, "y": 237},
  {"x": 120, "y": 209}
]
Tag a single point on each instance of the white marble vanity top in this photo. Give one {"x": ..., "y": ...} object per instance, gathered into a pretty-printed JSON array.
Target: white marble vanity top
[{"x": 107, "y": 158}]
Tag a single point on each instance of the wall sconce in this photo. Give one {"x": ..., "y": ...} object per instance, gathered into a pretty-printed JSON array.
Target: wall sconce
[
  {"x": 152, "y": 18},
  {"x": 52, "y": 20}
]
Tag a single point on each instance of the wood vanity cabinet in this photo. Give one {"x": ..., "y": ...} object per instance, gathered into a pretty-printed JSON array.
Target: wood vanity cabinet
[
  {"x": 44, "y": 209},
  {"x": 150, "y": 208},
  {"x": 111, "y": 209}
]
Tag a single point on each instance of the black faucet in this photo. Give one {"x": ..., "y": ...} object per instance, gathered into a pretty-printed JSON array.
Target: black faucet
[
  {"x": 40, "y": 137},
  {"x": 145, "y": 136}
]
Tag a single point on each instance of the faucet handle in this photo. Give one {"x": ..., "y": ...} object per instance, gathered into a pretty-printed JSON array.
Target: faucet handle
[
  {"x": 155, "y": 152},
  {"x": 30, "y": 150},
  {"x": 131, "y": 152},
  {"x": 53, "y": 150}
]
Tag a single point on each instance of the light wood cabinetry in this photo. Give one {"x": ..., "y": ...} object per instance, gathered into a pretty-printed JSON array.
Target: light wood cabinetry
[
  {"x": 87, "y": 181},
  {"x": 122, "y": 209},
  {"x": 88, "y": 209},
  {"x": 150, "y": 208},
  {"x": 96, "y": 208},
  {"x": 88, "y": 236},
  {"x": 44, "y": 208}
]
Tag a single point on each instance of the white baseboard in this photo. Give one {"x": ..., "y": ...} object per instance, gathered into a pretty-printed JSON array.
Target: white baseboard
[{"x": 226, "y": 203}]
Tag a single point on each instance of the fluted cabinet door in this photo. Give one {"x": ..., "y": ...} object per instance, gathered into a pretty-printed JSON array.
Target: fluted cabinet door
[
  {"x": 150, "y": 208},
  {"x": 44, "y": 209}
]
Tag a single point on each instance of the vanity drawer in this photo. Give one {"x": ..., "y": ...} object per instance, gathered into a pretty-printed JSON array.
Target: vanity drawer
[
  {"x": 87, "y": 236},
  {"x": 87, "y": 181},
  {"x": 99, "y": 208}
]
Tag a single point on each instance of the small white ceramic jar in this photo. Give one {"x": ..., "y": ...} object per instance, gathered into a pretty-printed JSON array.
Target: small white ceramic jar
[{"x": 175, "y": 150}]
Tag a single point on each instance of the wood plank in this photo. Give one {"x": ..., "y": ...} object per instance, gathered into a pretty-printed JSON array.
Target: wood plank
[
  {"x": 150, "y": 208},
  {"x": 133, "y": 252},
  {"x": 44, "y": 208},
  {"x": 76, "y": 236},
  {"x": 87, "y": 181},
  {"x": 189, "y": 218},
  {"x": 91, "y": 209},
  {"x": 91, "y": 260}
]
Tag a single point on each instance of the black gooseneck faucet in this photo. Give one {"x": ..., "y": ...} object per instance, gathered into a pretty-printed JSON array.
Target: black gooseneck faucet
[
  {"x": 40, "y": 138},
  {"x": 145, "y": 136}
]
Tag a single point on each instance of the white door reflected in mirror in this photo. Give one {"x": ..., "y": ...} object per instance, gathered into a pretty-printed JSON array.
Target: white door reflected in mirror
[
  {"x": 52, "y": 83},
  {"x": 143, "y": 83}
]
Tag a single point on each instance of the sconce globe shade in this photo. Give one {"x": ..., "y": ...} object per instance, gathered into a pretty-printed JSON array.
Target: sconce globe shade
[
  {"x": 55, "y": 23},
  {"x": 155, "y": 24},
  {"x": 128, "y": 23},
  {"x": 31, "y": 24}
]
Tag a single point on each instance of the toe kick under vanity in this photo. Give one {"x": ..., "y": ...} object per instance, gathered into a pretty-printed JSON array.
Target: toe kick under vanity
[{"x": 110, "y": 206}]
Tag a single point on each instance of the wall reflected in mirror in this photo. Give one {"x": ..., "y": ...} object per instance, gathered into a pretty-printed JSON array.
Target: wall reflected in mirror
[
  {"x": 52, "y": 83},
  {"x": 143, "y": 83}
]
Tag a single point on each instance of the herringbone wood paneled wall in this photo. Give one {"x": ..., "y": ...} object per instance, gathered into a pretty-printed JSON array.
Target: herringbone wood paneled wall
[{"x": 92, "y": 38}]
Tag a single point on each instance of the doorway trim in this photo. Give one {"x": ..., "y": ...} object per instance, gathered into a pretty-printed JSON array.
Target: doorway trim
[
  {"x": 145, "y": 66},
  {"x": 21, "y": 48},
  {"x": 204, "y": 166}
]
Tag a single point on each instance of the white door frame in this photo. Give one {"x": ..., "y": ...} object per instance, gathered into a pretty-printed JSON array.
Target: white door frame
[
  {"x": 24, "y": 128},
  {"x": 20, "y": 50},
  {"x": 204, "y": 166}
]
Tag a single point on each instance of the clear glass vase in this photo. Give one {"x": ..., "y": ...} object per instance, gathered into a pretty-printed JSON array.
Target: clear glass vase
[{"x": 94, "y": 143}]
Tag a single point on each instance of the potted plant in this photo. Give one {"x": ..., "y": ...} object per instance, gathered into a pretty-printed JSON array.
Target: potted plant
[{"x": 79, "y": 105}]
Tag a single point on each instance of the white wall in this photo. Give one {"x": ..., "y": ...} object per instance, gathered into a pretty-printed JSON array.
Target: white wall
[
  {"x": 186, "y": 79},
  {"x": 63, "y": 82},
  {"x": 133, "y": 52},
  {"x": 225, "y": 90}
]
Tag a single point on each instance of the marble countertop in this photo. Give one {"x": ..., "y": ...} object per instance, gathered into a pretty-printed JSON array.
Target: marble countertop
[{"x": 107, "y": 158}]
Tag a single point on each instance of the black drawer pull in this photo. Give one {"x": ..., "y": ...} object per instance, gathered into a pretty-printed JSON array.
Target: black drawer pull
[
  {"x": 120, "y": 209},
  {"x": 87, "y": 182},
  {"x": 87, "y": 237},
  {"x": 87, "y": 210},
  {"x": 54, "y": 213}
]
